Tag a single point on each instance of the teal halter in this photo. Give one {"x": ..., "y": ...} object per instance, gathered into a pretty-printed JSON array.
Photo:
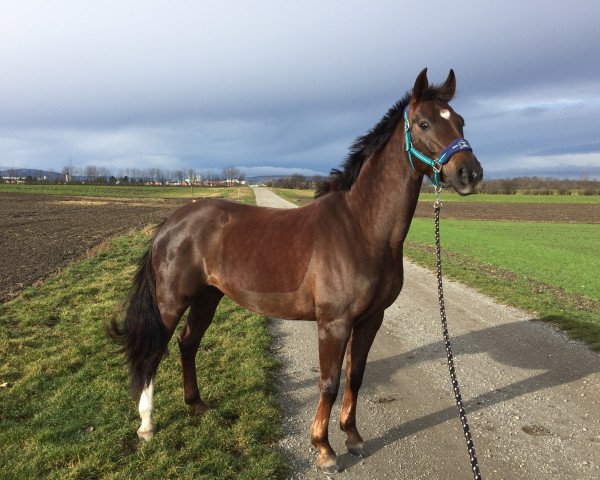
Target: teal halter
[{"x": 458, "y": 145}]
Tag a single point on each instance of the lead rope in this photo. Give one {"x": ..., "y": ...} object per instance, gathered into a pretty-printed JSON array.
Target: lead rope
[{"x": 461, "y": 411}]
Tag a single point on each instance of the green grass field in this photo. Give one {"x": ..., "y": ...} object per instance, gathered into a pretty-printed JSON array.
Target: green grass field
[
  {"x": 65, "y": 411},
  {"x": 243, "y": 194},
  {"x": 558, "y": 254},
  {"x": 547, "y": 268}
]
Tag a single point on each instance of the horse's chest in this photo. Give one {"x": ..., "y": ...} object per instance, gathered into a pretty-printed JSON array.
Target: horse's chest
[{"x": 389, "y": 285}]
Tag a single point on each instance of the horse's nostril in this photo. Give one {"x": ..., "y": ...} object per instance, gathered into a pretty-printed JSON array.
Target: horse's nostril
[{"x": 467, "y": 176}]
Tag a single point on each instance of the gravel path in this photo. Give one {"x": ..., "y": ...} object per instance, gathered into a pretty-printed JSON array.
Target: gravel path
[{"x": 531, "y": 394}]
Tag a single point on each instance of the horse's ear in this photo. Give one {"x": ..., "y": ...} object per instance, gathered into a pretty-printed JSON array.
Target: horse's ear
[
  {"x": 448, "y": 88},
  {"x": 421, "y": 85}
]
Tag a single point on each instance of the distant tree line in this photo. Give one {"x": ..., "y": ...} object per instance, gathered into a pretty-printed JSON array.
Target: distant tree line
[
  {"x": 542, "y": 186},
  {"x": 296, "y": 181},
  {"x": 92, "y": 174},
  {"x": 158, "y": 176},
  {"x": 510, "y": 186}
]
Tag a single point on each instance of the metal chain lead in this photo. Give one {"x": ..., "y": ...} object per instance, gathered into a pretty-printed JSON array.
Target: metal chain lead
[{"x": 461, "y": 411}]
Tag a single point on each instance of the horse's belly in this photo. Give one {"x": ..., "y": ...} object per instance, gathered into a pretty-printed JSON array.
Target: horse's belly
[{"x": 291, "y": 306}]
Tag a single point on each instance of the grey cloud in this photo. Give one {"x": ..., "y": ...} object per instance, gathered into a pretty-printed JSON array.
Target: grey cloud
[
  {"x": 280, "y": 84},
  {"x": 569, "y": 148}
]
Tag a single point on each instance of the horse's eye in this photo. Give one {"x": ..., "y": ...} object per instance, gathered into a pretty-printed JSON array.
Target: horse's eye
[{"x": 424, "y": 125}]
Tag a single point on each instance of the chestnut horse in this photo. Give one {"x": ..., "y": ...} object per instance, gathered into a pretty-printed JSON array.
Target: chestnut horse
[{"x": 336, "y": 261}]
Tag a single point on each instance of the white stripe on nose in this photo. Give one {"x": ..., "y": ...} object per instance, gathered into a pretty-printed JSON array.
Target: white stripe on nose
[{"x": 445, "y": 114}]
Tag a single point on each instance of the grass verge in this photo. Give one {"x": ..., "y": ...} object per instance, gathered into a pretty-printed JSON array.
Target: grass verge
[
  {"x": 241, "y": 194},
  {"x": 545, "y": 268},
  {"x": 65, "y": 411}
]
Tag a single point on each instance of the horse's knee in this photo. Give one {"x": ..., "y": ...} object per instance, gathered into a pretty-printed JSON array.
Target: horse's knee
[{"x": 329, "y": 389}]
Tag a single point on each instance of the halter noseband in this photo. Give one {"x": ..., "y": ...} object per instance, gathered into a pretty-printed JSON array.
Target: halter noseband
[{"x": 458, "y": 145}]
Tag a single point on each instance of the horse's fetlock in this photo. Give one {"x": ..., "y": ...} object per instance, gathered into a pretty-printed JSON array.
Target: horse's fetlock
[
  {"x": 191, "y": 398},
  {"x": 146, "y": 432},
  {"x": 347, "y": 424}
]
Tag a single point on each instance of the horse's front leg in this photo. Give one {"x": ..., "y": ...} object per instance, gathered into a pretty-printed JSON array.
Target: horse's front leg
[
  {"x": 333, "y": 338},
  {"x": 363, "y": 335}
]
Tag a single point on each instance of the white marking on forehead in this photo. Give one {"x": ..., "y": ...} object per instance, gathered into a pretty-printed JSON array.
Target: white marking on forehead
[{"x": 444, "y": 113}]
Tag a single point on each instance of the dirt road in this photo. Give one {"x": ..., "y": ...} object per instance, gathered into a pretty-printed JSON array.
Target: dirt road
[{"x": 531, "y": 395}]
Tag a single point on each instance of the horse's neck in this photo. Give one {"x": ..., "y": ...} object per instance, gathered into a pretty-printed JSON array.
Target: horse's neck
[{"x": 385, "y": 194}]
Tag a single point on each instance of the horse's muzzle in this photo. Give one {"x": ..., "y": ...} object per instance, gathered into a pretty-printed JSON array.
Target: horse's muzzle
[{"x": 467, "y": 178}]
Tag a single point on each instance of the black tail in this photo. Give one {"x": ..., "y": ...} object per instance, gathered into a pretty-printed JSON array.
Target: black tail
[{"x": 142, "y": 334}]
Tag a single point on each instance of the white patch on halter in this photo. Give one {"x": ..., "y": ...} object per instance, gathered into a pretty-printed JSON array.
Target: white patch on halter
[{"x": 445, "y": 114}]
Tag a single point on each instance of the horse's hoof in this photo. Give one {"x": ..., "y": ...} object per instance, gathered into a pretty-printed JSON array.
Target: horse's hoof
[
  {"x": 199, "y": 409},
  {"x": 356, "y": 450},
  {"x": 330, "y": 470},
  {"x": 145, "y": 435},
  {"x": 329, "y": 467}
]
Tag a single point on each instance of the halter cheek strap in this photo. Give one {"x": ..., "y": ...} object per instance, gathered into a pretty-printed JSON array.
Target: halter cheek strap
[{"x": 458, "y": 145}]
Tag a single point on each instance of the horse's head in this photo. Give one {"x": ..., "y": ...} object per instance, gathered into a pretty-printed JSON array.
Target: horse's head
[{"x": 434, "y": 137}]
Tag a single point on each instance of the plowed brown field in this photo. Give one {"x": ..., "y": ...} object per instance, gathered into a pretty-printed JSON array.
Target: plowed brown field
[
  {"x": 40, "y": 234},
  {"x": 518, "y": 212}
]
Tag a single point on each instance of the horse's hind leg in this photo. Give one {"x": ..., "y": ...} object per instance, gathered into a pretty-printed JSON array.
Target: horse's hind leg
[
  {"x": 363, "y": 335},
  {"x": 146, "y": 407},
  {"x": 170, "y": 313},
  {"x": 333, "y": 338},
  {"x": 200, "y": 317}
]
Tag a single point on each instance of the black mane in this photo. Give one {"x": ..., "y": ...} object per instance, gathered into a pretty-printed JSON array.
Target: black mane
[
  {"x": 372, "y": 142},
  {"x": 362, "y": 148}
]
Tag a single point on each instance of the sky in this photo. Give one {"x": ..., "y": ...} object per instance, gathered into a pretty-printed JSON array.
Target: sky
[{"x": 276, "y": 87}]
